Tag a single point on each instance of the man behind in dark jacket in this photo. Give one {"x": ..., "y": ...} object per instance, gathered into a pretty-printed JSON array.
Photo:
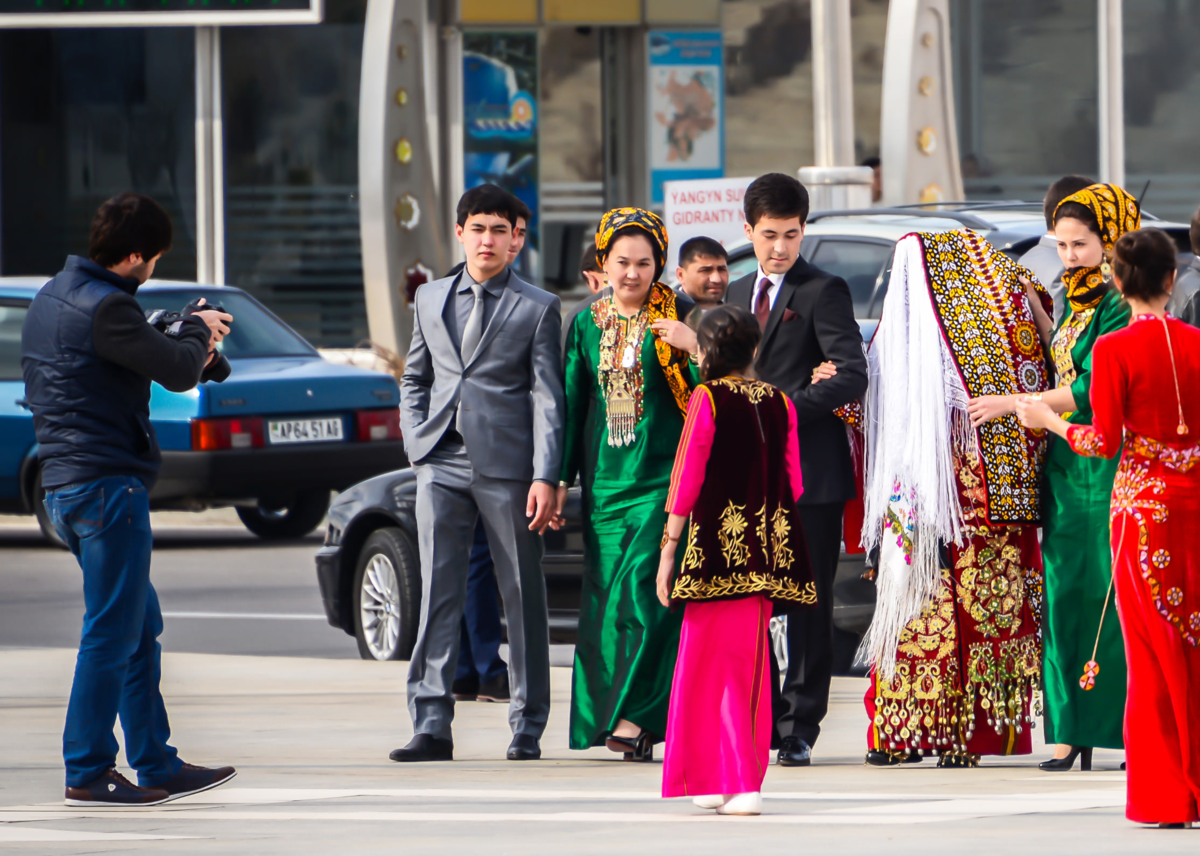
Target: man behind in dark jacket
[
  {"x": 89, "y": 355},
  {"x": 1185, "y": 297},
  {"x": 807, "y": 317}
]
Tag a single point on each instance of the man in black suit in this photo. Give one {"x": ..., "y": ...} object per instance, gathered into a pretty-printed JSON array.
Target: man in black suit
[{"x": 807, "y": 317}]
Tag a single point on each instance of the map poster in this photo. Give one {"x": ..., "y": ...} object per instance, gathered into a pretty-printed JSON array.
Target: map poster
[
  {"x": 686, "y": 122},
  {"x": 500, "y": 122}
]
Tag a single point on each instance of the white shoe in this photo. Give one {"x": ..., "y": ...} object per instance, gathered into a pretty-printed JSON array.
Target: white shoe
[
  {"x": 709, "y": 801},
  {"x": 743, "y": 804}
]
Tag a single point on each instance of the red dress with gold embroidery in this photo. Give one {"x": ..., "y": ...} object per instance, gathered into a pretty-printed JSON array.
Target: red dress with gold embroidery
[{"x": 1156, "y": 551}]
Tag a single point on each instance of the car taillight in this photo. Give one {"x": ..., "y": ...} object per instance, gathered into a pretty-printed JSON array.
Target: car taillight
[
  {"x": 379, "y": 424},
  {"x": 210, "y": 435}
]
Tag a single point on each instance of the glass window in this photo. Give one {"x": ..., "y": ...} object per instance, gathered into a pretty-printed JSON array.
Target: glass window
[
  {"x": 290, "y": 111},
  {"x": 1162, "y": 100},
  {"x": 768, "y": 86},
  {"x": 12, "y": 317},
  {"x": 857, "y": 262},
  {"x": 570, "y": 119},
  {"x": 85, "y": 115},
  {"x": 254, "y": 332},
  {"x": 742, "y": 263},
  {"x": 868, "y": 30},
  {"x": 1025, "y": 82}
]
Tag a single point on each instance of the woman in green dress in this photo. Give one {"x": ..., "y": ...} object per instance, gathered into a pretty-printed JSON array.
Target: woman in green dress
[
  {"x": 629, "y": 376},
  {"x": 1078, "y": 491}
]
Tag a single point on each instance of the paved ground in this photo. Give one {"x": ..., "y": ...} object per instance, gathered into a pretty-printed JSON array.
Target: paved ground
[{"x": 310, "y": 735}]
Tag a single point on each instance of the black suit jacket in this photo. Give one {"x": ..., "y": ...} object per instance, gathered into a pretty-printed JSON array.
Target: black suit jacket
[{"x": 820, "y": 326}]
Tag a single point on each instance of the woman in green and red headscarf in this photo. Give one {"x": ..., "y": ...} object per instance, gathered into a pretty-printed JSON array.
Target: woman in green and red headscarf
[
  {"x": 1079, "y": 714},
  {"x": 629, "y": 376}
]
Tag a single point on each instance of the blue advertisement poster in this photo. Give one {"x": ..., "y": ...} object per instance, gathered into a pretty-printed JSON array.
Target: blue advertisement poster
[
  {"x": 686, "y": 101},
  {"x": 500, "y": 139}
]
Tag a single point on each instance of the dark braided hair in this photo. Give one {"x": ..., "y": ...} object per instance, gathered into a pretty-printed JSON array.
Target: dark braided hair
[{"x": 729, "y": 336}]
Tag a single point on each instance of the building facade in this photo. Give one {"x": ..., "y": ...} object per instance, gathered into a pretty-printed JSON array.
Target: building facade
[{"x": 248, "y": 135}]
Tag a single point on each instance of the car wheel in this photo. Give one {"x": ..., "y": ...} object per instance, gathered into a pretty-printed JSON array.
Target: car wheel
[
  {"x": 387, "y": 596},
  {"x": 36, "y": 499},
  {"x": 295, "y": 520}
]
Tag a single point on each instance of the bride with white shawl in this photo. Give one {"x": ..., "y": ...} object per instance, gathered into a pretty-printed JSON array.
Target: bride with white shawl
[{"x": 954, "y": 646}]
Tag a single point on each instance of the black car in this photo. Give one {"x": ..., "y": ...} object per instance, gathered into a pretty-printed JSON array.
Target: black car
[{"x": 370, "y": 575}]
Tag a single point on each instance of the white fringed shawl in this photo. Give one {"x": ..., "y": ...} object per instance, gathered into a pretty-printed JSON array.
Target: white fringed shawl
[{"x": 915, "y": 414}]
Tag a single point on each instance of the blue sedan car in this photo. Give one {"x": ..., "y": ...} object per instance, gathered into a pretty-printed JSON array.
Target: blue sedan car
[{"x": 273, "y": 440}]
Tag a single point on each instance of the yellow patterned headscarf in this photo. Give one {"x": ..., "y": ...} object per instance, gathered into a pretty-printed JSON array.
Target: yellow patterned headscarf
[
  {"x": 1116, "y": 212},
  {"x": 649, "y": 222},
  {"x": 661, "y": 301}
]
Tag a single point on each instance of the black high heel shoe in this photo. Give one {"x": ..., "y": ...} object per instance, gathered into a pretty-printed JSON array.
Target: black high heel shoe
[
  {"x": 1059, "y": 765},
  {"x": 640, "y": 748}
]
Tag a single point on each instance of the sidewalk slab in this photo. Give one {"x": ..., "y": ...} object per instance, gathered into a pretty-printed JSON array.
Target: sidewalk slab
[{"x": 310, "y": 740}]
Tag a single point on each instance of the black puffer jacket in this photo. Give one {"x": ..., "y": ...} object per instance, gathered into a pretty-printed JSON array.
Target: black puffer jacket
[{"x": 89, "y": 356}]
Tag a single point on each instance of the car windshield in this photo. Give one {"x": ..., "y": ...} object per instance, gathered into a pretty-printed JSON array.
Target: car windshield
[
  {"x": 255, "y": 332},
  {"x": 12, "y": 316}
]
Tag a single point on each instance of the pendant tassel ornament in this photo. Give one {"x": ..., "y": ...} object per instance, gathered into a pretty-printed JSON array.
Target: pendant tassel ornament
[
  {"x": 1182, "y": 429},
  {"x": 621, "y": 372}
]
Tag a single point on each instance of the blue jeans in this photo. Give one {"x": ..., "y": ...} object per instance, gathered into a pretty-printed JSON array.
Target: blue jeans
[
  {"x": 479, "y": 651},
  {"x": 106, "y": 523}
]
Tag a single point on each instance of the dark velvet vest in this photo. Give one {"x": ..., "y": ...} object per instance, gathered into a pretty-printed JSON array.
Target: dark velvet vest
[{"x": 745, "y": 536}]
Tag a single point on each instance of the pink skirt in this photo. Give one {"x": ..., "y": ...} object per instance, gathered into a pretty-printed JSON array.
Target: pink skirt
[{"x": 719, "y": 724}]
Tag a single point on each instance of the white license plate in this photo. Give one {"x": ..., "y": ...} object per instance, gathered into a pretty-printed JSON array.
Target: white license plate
[{"x": 324, "y": 430}]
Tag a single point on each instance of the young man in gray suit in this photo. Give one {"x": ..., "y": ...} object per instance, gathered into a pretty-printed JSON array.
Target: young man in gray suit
[{"x": 481, "y": 412}]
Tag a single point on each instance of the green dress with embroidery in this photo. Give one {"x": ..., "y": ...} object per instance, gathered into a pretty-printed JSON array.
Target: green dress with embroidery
[
  {"x": 628, "y": 641},
  {"x": 1077, "y": 554}
]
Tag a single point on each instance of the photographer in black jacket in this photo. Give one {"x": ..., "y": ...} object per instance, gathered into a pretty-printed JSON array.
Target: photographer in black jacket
[{"x": 89, "y": 355}]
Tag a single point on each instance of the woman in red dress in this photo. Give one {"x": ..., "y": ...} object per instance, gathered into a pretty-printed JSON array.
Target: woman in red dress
[{"x": 1139, "y": 375}]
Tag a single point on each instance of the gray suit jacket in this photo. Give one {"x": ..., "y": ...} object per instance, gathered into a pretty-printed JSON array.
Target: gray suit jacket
[
  {"x": 511, "y": 390},
  {"x": 1043, "y": 260}
]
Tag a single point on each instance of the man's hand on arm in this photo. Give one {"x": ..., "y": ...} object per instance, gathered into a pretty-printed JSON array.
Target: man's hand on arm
[
  {"x": 841, "y": 344},
  {"x": 541, "y": 506}
]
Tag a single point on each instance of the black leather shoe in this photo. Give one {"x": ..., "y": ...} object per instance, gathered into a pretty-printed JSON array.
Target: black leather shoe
[
  {"x": 880, "y": 758},
  {"x": 425, "y": 747},
  {"x": 794, "y": 753},
  {"x": 495, "y": 690},
  {"x": 524, "y": 747},
  {"x": 466, "y": 689}
]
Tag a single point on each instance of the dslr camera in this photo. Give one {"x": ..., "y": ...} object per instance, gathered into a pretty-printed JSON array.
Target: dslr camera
[{"x": 168, "y": 323}]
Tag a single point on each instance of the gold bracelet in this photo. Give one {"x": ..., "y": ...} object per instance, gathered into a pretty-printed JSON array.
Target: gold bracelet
[{"x": 563, "y": 484}]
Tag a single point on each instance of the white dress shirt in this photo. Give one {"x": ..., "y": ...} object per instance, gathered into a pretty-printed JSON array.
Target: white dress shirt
[{"x": 772, "y": 292}]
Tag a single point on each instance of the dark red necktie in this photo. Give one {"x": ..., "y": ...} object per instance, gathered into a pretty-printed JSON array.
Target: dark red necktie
[{"x": 762, "y": 303}]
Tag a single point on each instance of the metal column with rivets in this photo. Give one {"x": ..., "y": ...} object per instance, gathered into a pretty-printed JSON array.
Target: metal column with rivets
[
  {"x": 402, "y": 241},
  {"x": 919, "y": 132}
]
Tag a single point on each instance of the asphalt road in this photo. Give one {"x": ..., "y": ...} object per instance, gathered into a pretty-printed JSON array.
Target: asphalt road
[{"x": 222, "y": 590}]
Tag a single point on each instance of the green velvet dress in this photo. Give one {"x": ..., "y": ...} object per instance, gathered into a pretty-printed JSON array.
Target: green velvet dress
[
  {"x": 1077, "y": 554},
  {"x": 628, "y": 641}
]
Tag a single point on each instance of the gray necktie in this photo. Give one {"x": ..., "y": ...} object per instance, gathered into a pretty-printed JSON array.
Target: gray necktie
[{"x": 473, "y": 332}]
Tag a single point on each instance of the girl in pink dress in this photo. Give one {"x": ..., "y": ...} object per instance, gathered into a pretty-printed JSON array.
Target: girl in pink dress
[{"x": 736, "y": 481}]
